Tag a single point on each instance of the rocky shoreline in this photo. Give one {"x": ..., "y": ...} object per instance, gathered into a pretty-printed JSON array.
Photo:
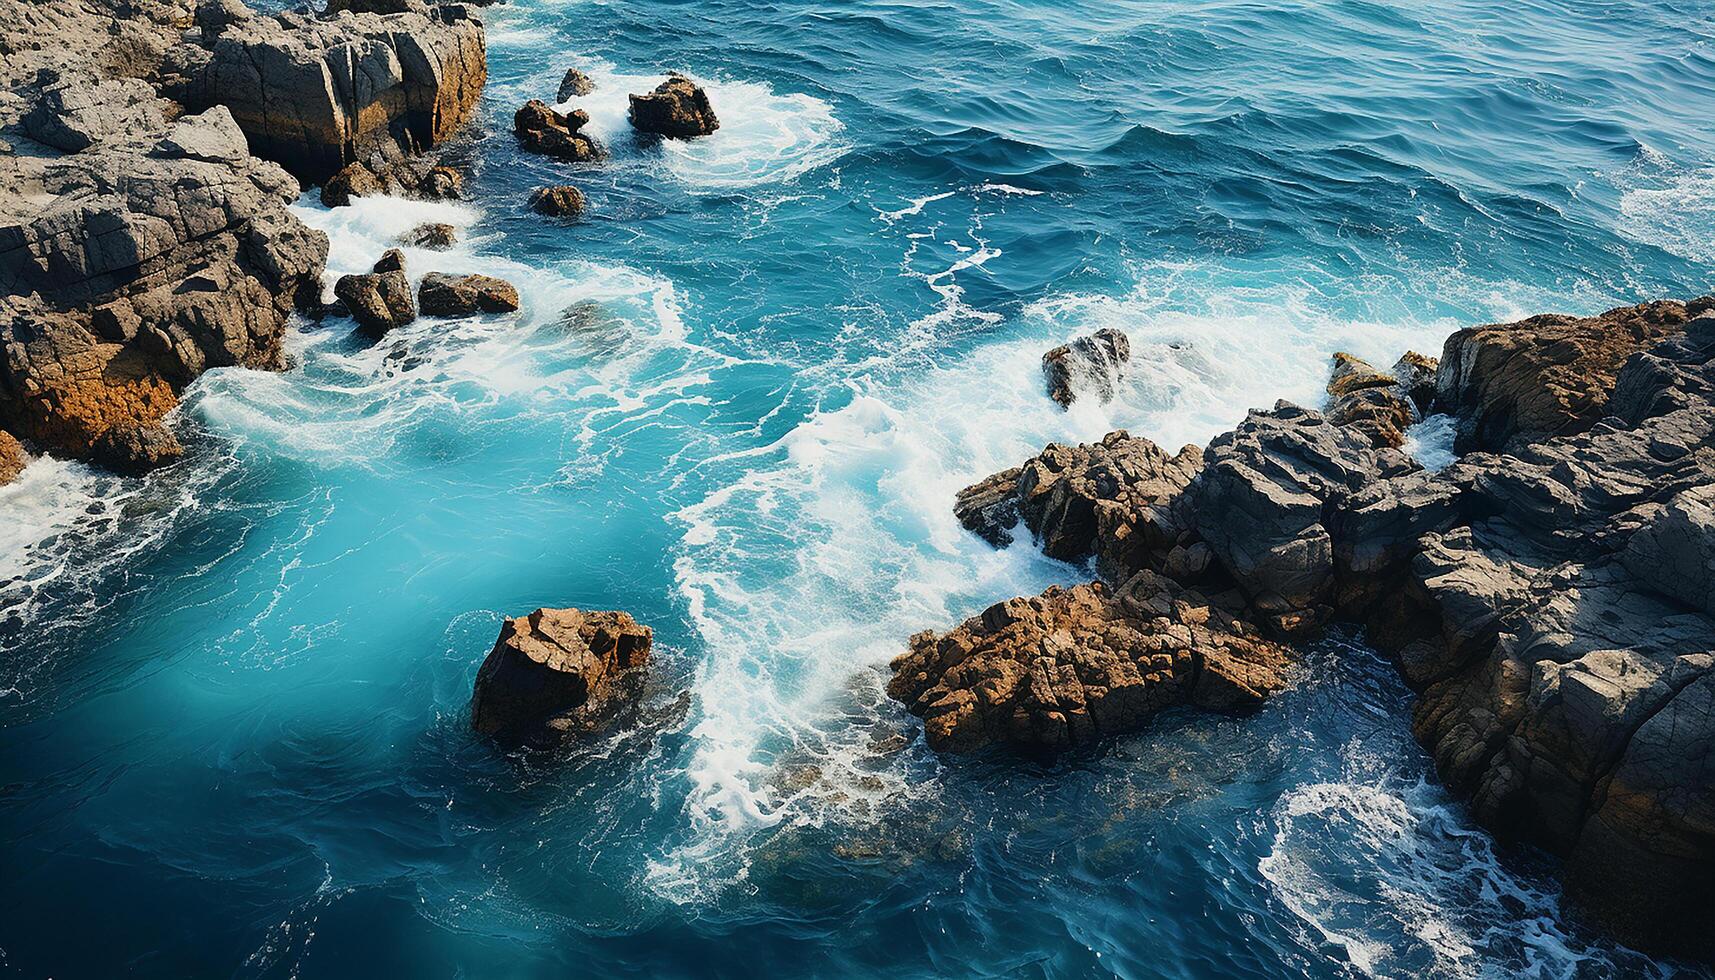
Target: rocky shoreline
[{"x": 1547, "y": 595}]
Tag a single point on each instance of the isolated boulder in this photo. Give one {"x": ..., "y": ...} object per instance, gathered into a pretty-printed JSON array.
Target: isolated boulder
[
  {"x": 574, "y": 84},
  {"x": 432, "y": 235},
  {"x": 1089, "y": 364},
  {"x": 379, "y": 300},
  {"x": 560, "y": 672},
  {"x": 440, "y": 294},
  {"x": 678, "y": 108},
  {"x": 561, "y": 201}
]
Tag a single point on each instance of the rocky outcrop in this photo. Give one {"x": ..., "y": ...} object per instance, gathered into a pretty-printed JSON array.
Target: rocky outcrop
[
  {"x": 13, "y": 458},
  {"x": 1550, "y": 375},
  {"x": 542, "y": 130},
  {"x": 133, "y": 265},
  {"x": 1380, "y": 405},
  {"x": 442, "y": 295},
  {"x": 559, "y": 672},
  {"x": 574, "y": 84},
  {"x": 1549, "y": 599},
  {"x": 435, "y": 235},
  {"x": 132, "y": 450},
  {"x": 677, "y": 109},
  {"x": 1074, "y": 665},
  {"x": 385, "y": 173},
  {"x": 318, "y": 94},
  {"x": 379, "y": 300},
  {"x": 1092, "y": 365},
  {"x": 561, "y": 201}
]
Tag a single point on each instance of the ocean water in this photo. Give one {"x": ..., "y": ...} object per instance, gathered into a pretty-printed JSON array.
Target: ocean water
[{"x": 739, "y": 398}]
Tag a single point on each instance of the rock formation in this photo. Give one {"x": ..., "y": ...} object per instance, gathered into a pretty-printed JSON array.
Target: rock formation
[
  {"x": 562, "y": 201},
  {"x": 318, "y": 94},
  {"x": 13, "y": 458},
  {"x": 431, "y": 235},
  {"x": 1548, "y": 594},
  {"x": 542, "y": 130},
  {"x": 1074, "y": 665},
  {"x": 442, "y": 295},
  {"x": 1091, "y": 364},
  {"x": 677, "y": 109},
  {"x": 379, "y": 300},
  {"x": 573, "y": 85},
  {"x": 560, "y": 672},
  {"x": 1378, "y": 404}
]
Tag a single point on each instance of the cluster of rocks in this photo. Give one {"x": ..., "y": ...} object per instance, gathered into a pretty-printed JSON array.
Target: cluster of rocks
[
  {"x": 380, "y": 299},
  {"x": 149, "y": 151},
  {"x": 1547, "y": 594}
]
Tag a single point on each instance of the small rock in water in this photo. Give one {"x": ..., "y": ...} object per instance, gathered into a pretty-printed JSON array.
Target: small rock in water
[
  {"x": 1094, "y": 362},
  {"x": 678, "y": 108},
  {"x": 542, "y": 130},
  {"x": 433, "y": 235},
  {"x": 354, "y": 180},
  {"x": 562, "y": 201},
  {"x": 379, "y": 300},
  {"x": 575, "y": 83},
  {"x": 440, "y": 294},
  {"x": 560, "y": 672}
]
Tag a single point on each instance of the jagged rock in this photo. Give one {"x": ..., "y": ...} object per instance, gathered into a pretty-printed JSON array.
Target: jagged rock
[
  {"x": 678, "y": 108},
  {"x": 542, "y": 130},
  {"x": 442, "y": 295},
  {"x": 560, "y": 672},
  {"x": 1092, "y": 364},
  {"x": 129, "y": 268},
  {"x": 1074, "y": 665},
  {"x": 574, "y": 84},
  {"x": 353, "y": 180},
  {"x": 397, "y": 176},
  {"x": 1545, "y": 376},
  {"x": 562, "y": 201},
  {"x": 133, "y": 450},
  {"x": 433, "y": 235},
  {"x": 316, "y": 95},
  {"x": 13, "y": 458},
  {"x": 1371, "y": 402},
  {"x": 1674, "y": 551},
  {"x": 1262, "y": 498},
  {"x": 379, "y": 300},
  {"x": 1121, "y": 501},
  {"x": 76, "y": 110},
  {"x": 1415, "y": 374}
]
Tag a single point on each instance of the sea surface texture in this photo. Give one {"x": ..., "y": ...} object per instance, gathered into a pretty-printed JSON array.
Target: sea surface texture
[{"x": 234, "y": 699}]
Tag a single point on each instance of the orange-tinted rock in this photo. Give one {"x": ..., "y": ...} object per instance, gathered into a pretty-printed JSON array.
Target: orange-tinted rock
[{"x": 559, "y": 672}]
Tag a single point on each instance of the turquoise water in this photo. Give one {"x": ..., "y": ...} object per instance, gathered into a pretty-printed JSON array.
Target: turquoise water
[{"x": 233, "y": 699}]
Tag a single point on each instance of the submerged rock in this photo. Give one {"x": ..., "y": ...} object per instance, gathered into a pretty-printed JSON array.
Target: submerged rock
[
  {"x": 1075, "y": 665},
  {"x": 440, "y": 294},
  {"x": 542, "y": 130},
  {"x": 678, "y": 109},
  {"x": 1089, "y": 364},
  {"x": 561, "y": 201},
  {"x": 560, "y": 672},
  {"x": 574, "y": 84}
]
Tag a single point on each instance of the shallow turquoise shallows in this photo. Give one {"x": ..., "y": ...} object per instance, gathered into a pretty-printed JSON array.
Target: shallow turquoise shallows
[{"x": 234, "y": 722}]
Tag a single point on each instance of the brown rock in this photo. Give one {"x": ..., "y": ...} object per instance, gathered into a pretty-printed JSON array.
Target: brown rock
[
  {"x": 678, "y": 108},
  {"x": 133, "y": 450},
  {"x": 574, "y": 84},
  {"x": 353, "y": 180},
  {"x": 562, "y": 201},
  {"x": 13, "y": 458},
  {"x": 432, "y": 235},
  {"x": 560, "y": 671},
  {"x": 378, "y": 301},
  {"x": 1371, "y": 402},
  {"x": 542, "y": 130},
  {"x": 1092, "y": 364},
  {"x": 1074, "y": 665},
  {"x": 440, "y": 294}
]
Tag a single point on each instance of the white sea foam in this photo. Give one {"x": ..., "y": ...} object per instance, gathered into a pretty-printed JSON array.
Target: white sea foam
[
  {"x": 1430, "y": 442},
  {"x": 1675, "y": 213}
]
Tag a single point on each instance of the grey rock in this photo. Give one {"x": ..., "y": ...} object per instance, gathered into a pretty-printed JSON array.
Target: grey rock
[{"x": 1093, "y": 364}]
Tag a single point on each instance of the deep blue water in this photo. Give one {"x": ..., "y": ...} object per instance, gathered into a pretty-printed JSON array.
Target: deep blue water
[{"x": 233, "y": 699}]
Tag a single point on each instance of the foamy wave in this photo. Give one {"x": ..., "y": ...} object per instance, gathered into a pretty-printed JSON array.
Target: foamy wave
[{"x": 1676, "y": 215}]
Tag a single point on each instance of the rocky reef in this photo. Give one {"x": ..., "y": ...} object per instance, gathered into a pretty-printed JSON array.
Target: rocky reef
[
  {"x": 678, "y": 108},
  {"x": 1547, "y": 595},
  {"x": 150, "y": 151}
]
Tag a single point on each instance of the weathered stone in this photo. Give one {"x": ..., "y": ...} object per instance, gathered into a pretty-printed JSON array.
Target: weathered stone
[
  {"x": 562, "y": 201},
  {"x": 13, "y": 458},
  {"x": 1093, "y": 364},
  {"x": 76, "y": 110},
  {"x": 133, "y": 450},
  {"x": 432, "y": 235},
  {"x": 353, "y": 180},
  {"x": 542, "y": 130},
  {"x": 1074, "y": 665},
  {"x": 678, "y": 109},
  {"x": 1674, "y": 551},
  {"x": 378, "y": 301},
  {"x": 440, "y": 294},
  {"x": 1369, "y": 401},
  {"x": 574, "y": 84},
  {"x": 560, "y": 672}
]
